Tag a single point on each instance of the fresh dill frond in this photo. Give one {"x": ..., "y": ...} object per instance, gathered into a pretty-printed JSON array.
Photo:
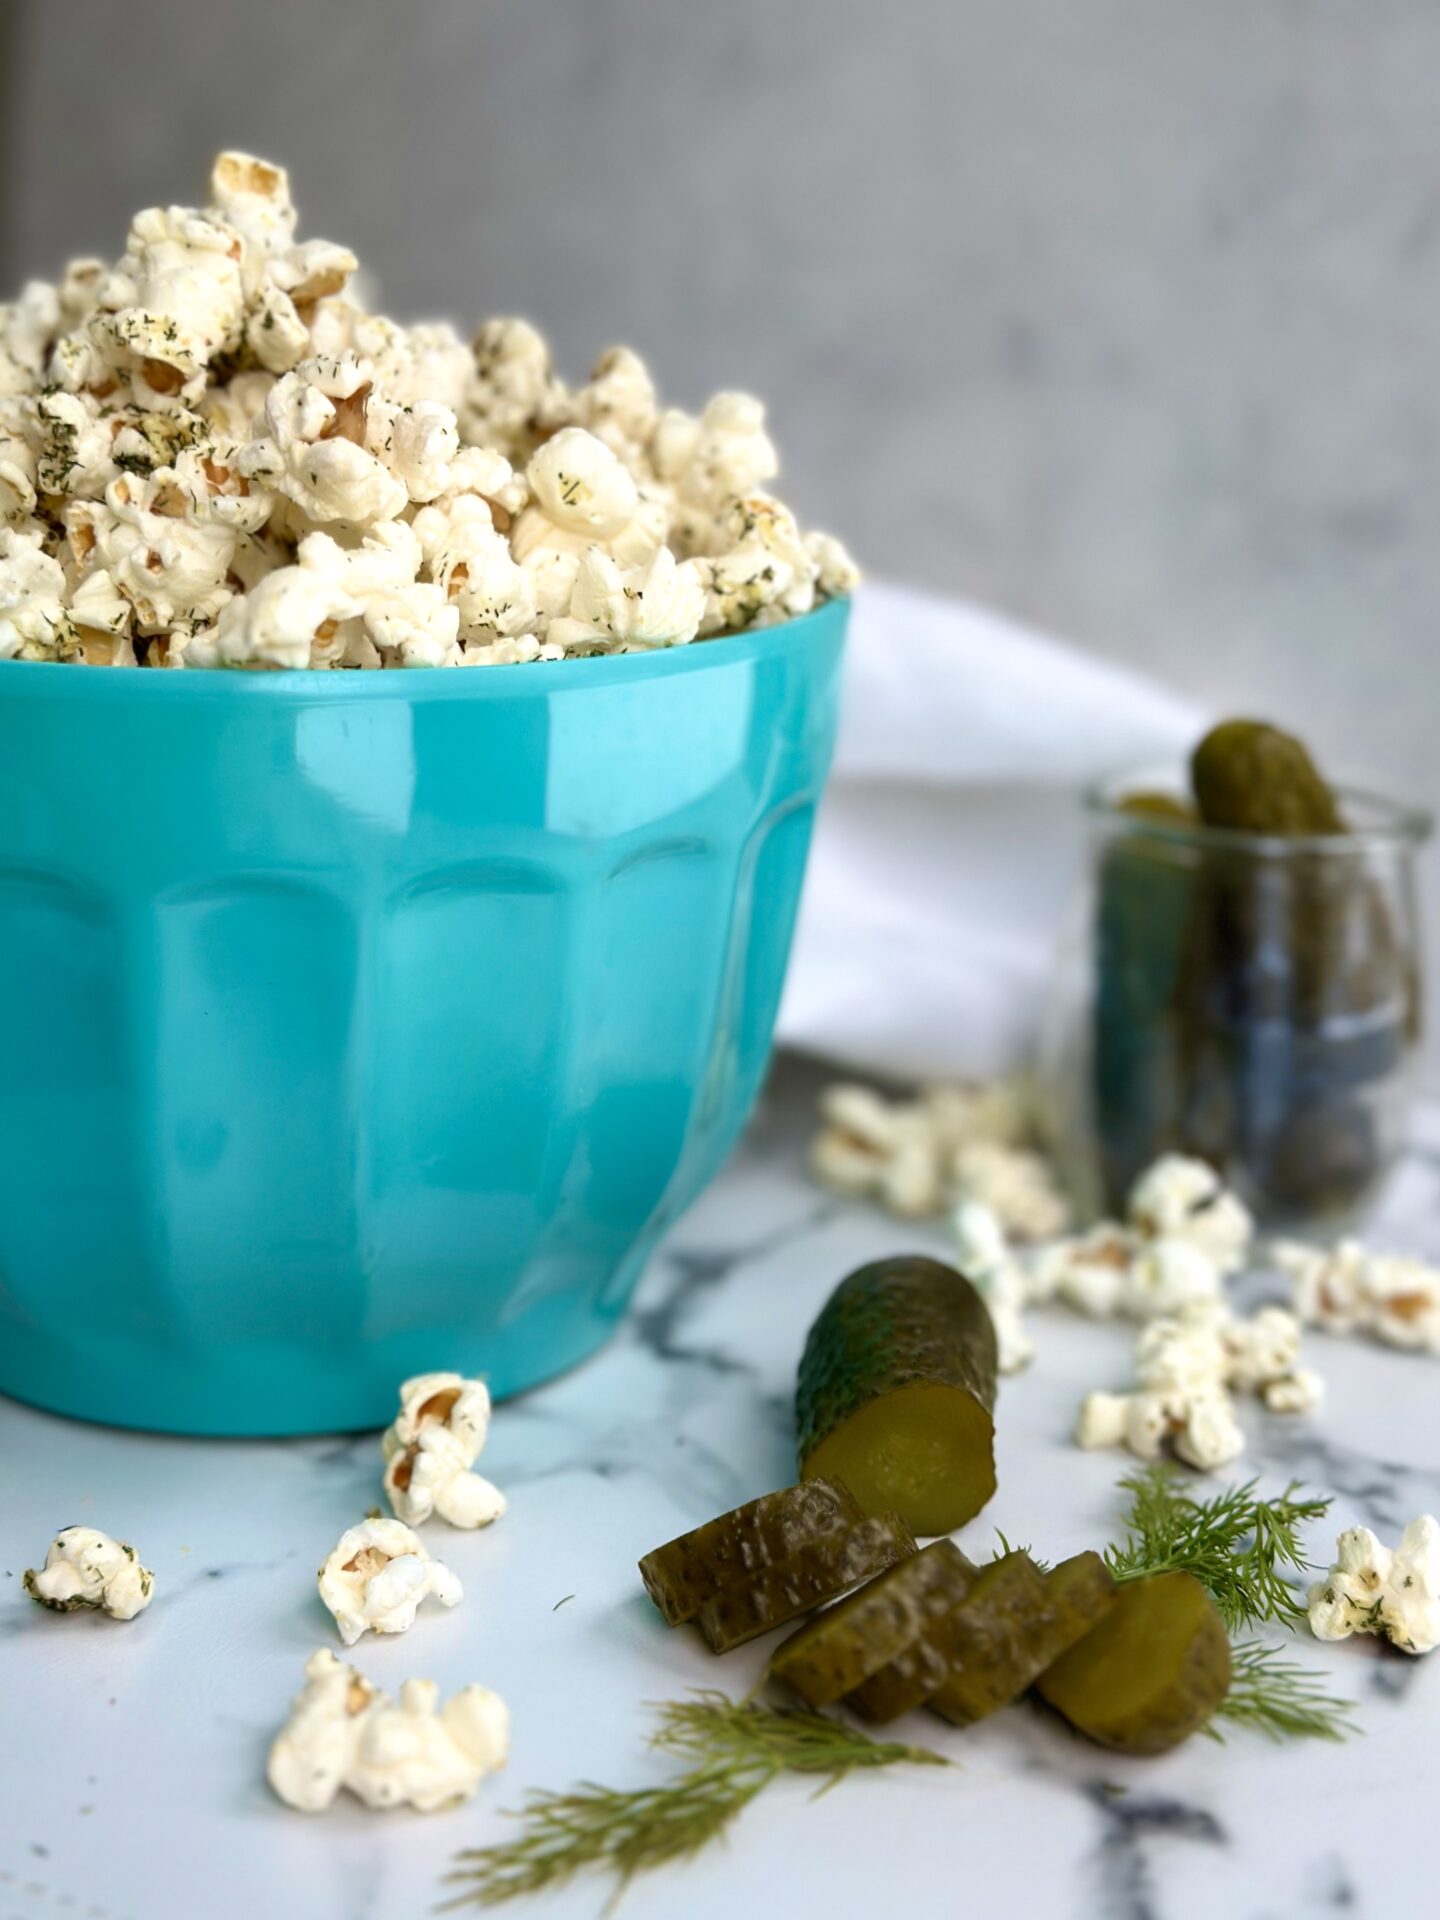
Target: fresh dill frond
[
  {"x": 735, "y": 1750},
  {"x": 1279, "y": 1699},
  {"x": 1240, "y": 1547},
  {"x": 710, "y": 1729}
]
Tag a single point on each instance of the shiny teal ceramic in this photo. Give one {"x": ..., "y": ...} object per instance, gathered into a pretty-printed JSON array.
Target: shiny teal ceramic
[{"x": 354, "y": 1025}]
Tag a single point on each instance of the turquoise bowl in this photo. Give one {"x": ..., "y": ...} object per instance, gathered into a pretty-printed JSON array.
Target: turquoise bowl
[{"x": 354, "y": 1025}]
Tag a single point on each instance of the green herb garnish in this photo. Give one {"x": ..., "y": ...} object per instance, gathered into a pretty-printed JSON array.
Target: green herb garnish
[
  {"x": 1237, "y": 1545},
  {"x": 734, "y": 1750},
  {"x": 1279, "y": 1699}
]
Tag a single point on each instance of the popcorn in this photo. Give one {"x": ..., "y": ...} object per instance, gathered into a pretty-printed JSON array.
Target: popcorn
[
  {"x": 656, "y": 604},
  {"x": 1188, "y": 1366},
  {"x": 34, "y": 624},
  {"x": 582, "y": 495},
  {"x": 514, "y": 399},
  {"x": 344, "y": 1733},
  {"x": 1369, "y": 1589},
  {"x": 759, "y": 572},
  {"x": 1184, "y": 1199},
  {"x": 429, "y": 1450},
  {"x": 872, "y": 1146},
  {"x": 377, "y": 1576},
  {"x": 1017, "y": 1184},
  {"x": 86, "y": 1568},
  {"x": 1347, "y": 1289},
  {"x": 175, "y": 428},
  {"x": 618, "y": 405}
]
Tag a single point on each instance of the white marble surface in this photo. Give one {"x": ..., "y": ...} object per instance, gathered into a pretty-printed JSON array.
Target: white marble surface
[{"x": 132, "y": 1769}]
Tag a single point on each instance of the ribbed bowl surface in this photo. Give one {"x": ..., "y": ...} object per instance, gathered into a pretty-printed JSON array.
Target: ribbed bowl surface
[{"x": 357, "y": 1025}]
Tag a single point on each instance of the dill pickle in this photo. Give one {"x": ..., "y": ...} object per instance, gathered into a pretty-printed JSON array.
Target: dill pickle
[
  {"x": 1005, "y": 1595},
  {"x": 819, "y": 1570},
  {"x": 831, "y": 1655},
  {"x": 1151, "y": 1673},
  {"x": 896, "y": 1393},
  {"x": 1253, "y": 778},
  {"x": 686, "y": 1572},
  {"x": 1001, "y": 1654}
]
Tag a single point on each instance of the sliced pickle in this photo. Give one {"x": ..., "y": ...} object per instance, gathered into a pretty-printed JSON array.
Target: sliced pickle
[
  {"x": 818, "y": 1571},
  {"x": 1001, "y": 1655},
  {"x": 831, "y": 1655},
  {"x": 685, "y": 1573},
  {"x": 1151, "y": 1673},
  {"x": 897, "y": 1392},
  {"x": 1004, "y": 1598}
]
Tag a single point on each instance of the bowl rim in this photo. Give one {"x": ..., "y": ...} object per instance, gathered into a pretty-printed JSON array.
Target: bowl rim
[
  {"x": 1390, "y": 823},
  {"x": 524, "y": 680}
]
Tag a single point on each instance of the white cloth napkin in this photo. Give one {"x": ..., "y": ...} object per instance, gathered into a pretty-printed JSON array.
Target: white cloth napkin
[{"x": 950, "y": 847}]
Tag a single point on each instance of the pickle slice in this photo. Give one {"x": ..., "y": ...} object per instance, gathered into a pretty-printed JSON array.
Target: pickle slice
[
  {"x": 686, "y": 1572},
  {"x": 831, "y": 1655},
  {"x": 897, "y": 1392},
  {"x": 774, "y": 1595},
  {"x": 1004, "y": 1597},
  {"x": 1000, "y": 1656},
  {"x": 1151, "y": 1673}
]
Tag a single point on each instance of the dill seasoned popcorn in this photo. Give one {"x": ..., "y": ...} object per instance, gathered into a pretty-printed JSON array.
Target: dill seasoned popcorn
[
  {"x": 86, "y": 1568},
  {"x": 1369, "y": 1589},
  {"x": 178, "y": 430}
]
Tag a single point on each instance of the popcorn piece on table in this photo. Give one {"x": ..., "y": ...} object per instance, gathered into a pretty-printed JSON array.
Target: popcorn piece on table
[
  {"x": 1184, "y": 1199},
  {"x": 86, "y": 1568},
  {"x": 431, "y": 1447},
  {"x": 1018, "y": 1184},
  {"x": 885, "y": 1149},
  {"x": 344, "y": 1733},
  {"x": 377, "y": 1576},
  {"x": 984, "y": 1257},
  {"x": 1187, "y": 1366},
  {"x": 1347, "y": 1289},
  {"x": 1369, "y": 1589},
  {"x": 1089, "y": 1272}
]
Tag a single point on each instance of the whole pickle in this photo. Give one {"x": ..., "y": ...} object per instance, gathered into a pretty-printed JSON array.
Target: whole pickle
[
  {"x": 831, "y": 1655},
  {"x": 774, "y": 1595},
  {"x": 1151, "y": 1673},
  {"x": 1000, "y": 1654},
  {"x": 993, "y": 1621},
  {"x": 685, "y": 1573},
  {"x": 896, "y": 1393},
  {"x": 1252, "y": 778}
]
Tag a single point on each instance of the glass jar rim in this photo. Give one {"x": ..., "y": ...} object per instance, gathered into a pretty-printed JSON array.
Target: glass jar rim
[{"x": 1381, "y": 822}]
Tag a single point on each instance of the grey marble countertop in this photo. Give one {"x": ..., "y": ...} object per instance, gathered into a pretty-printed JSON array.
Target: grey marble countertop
[{"x": 133, "y": 1758}]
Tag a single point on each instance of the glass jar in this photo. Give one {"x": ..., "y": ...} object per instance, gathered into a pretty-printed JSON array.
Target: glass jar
[{"x": 1252, "y": 1000}]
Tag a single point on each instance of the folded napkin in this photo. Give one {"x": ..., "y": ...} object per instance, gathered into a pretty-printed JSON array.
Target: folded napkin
[{"x": 949, "y": 851}]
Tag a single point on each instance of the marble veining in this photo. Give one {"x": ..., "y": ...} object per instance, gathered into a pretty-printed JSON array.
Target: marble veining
[{"x": 140, "y": 1795}]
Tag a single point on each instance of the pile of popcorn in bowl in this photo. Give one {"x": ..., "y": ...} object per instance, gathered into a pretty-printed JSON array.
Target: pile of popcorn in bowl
[{"x": 210, "y": 456}]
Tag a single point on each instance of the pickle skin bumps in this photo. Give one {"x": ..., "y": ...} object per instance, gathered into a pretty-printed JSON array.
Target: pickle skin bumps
[
  {"x": 687, "y": 1572},
  {"x": 896, "y": 1393},
  {"x": 833, "y": 1654}
]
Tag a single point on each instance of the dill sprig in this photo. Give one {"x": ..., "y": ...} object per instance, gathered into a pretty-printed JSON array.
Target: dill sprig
[
  {"x": 1240, "y": 1547},
  {"x": 735, "y": 1750},
  {"x": 1284, "y": 1702}
]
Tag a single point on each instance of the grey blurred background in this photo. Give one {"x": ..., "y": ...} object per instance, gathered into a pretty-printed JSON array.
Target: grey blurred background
[{"x": 1120, "y": 314}]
